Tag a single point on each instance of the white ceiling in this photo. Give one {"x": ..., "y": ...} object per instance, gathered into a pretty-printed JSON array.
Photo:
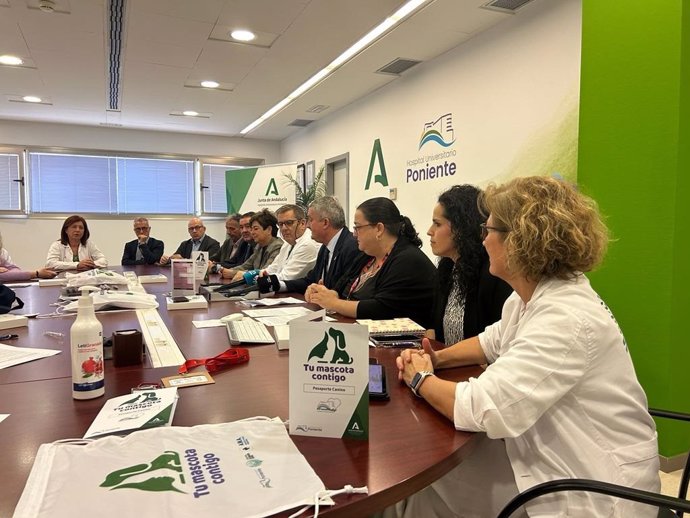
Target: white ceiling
[{"x": 171, "y": 45}]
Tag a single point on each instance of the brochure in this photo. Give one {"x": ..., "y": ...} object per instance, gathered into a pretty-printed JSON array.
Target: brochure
[{"x": 136, "y": 411}]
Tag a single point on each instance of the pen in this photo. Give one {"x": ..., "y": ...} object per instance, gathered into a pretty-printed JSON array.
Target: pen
[{"x": 8, "y": 337}]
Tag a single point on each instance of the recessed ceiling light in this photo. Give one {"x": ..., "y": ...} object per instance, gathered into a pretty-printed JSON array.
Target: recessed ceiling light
[
  {"x": 6, "y": 59},
  {"x": 190, "y": 113},
  {"x": 32, "y": 99},
  {"x": 210, "y": 84},
  {"x": 242, "y": 35}
]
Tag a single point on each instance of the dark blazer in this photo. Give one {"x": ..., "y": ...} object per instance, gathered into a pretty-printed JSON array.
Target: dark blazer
[
  {"x": 152, "y": 252},
  {"x": 344, "y": 253},
  {"x": 244, "y": 252},
  {"x": 405, "y": 286},
  {"x": 483, "y": 304},
  {"x": 208, "y": 244}
]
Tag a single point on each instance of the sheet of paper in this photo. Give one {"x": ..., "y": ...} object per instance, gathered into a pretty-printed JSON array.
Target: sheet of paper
[
  {"x": 19, "y": 285},
  {"x": 202, "y": 324},
  {"x": 10, "y": 355},
  {"x": 3, "y": 417},
  {"x": 277, "y": 312},
  {"x": 276, "y": 302}
]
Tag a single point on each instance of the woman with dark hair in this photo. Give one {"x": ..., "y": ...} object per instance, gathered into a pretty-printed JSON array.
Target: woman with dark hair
[
  {"x": 469, "y": 297},
  {"x": 74, "y": 251},
  {"x": 264, "y": 229},
  {"x": 392, "y": 278}
]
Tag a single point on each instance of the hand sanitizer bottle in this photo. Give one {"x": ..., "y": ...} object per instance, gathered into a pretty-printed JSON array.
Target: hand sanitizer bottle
[{"x": 86, "y": 339}]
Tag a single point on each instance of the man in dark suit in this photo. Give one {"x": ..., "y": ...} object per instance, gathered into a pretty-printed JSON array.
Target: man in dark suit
[
  {"x": 326, "y": 219},
  {"x": 144, "y": 249},
  {"x": 199, "y": 242}
]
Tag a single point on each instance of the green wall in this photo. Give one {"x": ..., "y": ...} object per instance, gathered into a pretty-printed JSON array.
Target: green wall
[{"x": 634, "y": 159}]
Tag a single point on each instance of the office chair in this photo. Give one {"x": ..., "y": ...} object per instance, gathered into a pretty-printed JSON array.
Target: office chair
[{"x": 666, "y": 504}]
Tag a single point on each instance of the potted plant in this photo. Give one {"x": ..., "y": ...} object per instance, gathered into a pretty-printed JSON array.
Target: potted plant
[{"x": 305, "y": 196}]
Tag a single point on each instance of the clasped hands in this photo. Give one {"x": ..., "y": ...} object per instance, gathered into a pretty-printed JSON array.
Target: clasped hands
[
  {"x": 411, "y": 361},
  {"x": 319, "y": 294}
]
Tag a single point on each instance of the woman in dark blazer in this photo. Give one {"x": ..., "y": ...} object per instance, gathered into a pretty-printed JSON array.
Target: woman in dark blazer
[
  {"x": 468, "y": 297},
  {"x": 392, "y": 278}
]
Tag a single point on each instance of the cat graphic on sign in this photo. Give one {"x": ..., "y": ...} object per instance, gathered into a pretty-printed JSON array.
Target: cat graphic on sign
[{"x": 340, "y": 355}]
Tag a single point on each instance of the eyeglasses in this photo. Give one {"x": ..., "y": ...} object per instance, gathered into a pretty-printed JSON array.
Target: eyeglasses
[
  {"x": 141, "y": 229},
  {"x": 195, "y": 228},
  {"x": 355, "y": 228},
  {"x": 485, "y": 230},
  {"x": 287, "y": 223}
]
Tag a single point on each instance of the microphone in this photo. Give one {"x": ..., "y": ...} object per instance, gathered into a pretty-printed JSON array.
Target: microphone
[
  {"x": 248, "y": 279},
  {"x": 266, "y": 284}
]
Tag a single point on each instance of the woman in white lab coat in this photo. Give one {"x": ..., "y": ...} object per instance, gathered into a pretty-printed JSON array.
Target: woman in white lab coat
[{"x": 559, "y": 398}]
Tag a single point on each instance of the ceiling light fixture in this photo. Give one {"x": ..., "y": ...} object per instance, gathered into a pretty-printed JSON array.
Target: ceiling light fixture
[
  {"x": 190, "y": 113},
  {"x": 386, "y": 25},
  {"x": 210, "y": 84},
  {"x": 32, "y": 99},
  {"x": 7, "y": 59},
  {"x": 242, "y": 35}
]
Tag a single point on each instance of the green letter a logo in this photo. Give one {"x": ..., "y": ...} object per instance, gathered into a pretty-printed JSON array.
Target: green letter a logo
[
  {"x": 272, "y": 188},
  {"x": 381, "y": 177}
]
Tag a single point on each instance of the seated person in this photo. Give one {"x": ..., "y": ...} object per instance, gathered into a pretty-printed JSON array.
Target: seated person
[
  {"x": 74, "y": 251},
  {"x": 326, "y": 220},
  {"x": 469, "y": 298},
  {"x": 242, "y": 249},
  {"x": 144, "y": 249},
  {"x": 394, "y": 279},
  {"x": 298, "y": 253},
  {"x": 10, "y": 272},
  {"x": 233, "y": 234},
  {"x": 559, "y": 398},
  {"x": 264, "y": 231},
  {"x": 199, "y": 242}
]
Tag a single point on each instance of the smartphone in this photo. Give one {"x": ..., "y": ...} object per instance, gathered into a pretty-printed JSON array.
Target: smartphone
[
  {"x": 377, "y": 382},
  {"x": 402, "y": 341},
  {"x": 180, "y": 299}
]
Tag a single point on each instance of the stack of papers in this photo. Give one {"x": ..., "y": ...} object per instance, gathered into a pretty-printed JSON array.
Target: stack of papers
[
  {"x": 136, "y": 411},
  {"x": 10, "y": 355}
]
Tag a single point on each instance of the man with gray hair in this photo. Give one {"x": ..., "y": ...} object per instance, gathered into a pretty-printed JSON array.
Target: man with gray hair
[
  {"x": 298, "y": 253},
  {"x": 144, "y": 249},
  {"x": 229, "y": 248},
  {"x": 326, "y": 220}
]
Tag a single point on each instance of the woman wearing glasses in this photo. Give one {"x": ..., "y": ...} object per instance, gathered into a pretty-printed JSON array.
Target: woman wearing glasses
[
  {"x": 74, "y": 251},
  {"x": 393, "y": 278},
  {"x": 560, "y": 389},
  {"x": 469, "y": 297}
]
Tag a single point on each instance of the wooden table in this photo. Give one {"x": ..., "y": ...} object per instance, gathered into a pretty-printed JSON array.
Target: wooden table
[{"x": 410, "y": 445}]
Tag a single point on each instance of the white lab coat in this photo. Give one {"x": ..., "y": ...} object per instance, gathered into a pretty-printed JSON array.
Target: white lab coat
[
  {"x": 561, "y": 390},
  {"x": 60, "y": 256}
]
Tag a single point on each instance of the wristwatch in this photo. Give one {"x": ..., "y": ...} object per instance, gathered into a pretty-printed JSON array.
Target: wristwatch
[{"x": 417, "y": 381}]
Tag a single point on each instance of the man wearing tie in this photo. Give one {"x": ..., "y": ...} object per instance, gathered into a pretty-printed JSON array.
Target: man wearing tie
[
  {"x": 326, "y": 220},
  {"x": 199, "y": 241}
]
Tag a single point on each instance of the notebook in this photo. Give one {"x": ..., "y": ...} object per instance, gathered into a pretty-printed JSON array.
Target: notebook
[{"x": 393, "y": 326}]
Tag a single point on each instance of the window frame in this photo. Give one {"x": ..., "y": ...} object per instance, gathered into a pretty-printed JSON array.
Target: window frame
[
  {"x": 198, "y": 161},
  {"x": 20, "y": 151},
  {"x": 235, "y": 162}
]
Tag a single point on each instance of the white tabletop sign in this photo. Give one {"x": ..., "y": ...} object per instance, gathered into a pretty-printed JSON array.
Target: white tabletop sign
[
  {"x": 329, "y": 380},
  {"x": 200, "y": 268}
]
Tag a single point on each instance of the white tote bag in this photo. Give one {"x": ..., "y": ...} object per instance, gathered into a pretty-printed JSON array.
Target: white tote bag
[{"x": 245, "y": 468}]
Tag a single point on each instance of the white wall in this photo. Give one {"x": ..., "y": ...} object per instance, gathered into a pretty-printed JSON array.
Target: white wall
[
  {"x": 28, "y": 239},
  {"x": 512, "y": 92}
]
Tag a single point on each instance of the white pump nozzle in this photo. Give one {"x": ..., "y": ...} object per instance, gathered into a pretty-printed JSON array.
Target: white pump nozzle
[{"x": 85, "y": 301}]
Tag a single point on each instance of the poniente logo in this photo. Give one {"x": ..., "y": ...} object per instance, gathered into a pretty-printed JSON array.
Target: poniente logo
[{"x": 439, "y": 131}]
